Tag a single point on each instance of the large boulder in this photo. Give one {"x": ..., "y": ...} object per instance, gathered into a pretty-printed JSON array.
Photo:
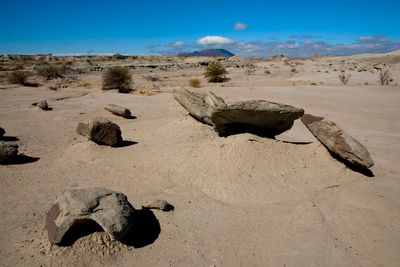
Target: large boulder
[
  {"x": 199, "y": 106},
  {"x": 100, "y": 131},
  {"x": 337, "y": 141},
  {"x": 118, "y": 110},
  {"x": 8, "y": 152},
  {"x": 111, "y": 210},
  {"x": 255, "y": 116}
]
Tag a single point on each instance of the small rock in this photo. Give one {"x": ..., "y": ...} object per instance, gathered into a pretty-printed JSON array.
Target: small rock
[
  {"x": 158, "y": 204},
  {"x": 337, "y": 141},
  {"x": 42, "y": 105},
  {"x": 118, "y": 110},
  {"x": 100, "y": 131},
  {"x": 8, "y": 152},
  {"x": 111, "y": 210}
]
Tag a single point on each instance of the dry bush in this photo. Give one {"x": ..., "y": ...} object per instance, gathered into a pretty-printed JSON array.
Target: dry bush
[
  {"x": 50, "y": 72},
  {"x": 385, "y": 77},
  {"x": 293, "y": 71},
  {"x": 215, "y": 73},
  {"x": 344, "y": 78},
  {"x": 18, "y": 67},
  {"x": 117, "y": 78},
  {"x": 18, "y": 77},
  {"x": 195, "y": 83}
]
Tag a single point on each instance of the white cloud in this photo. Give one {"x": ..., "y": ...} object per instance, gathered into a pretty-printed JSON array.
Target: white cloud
[
  {"x": 175, "y": 44},
  {"x": 214, "y": 40},
  {"x": 240, "y": 26},
  {"x": 365, "y": 38}
]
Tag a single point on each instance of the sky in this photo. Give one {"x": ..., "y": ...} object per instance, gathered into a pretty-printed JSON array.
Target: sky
[{"x": 247, "y": 28}]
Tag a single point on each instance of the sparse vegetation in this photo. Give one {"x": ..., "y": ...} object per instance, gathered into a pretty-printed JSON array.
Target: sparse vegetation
[
  {"x": 215, "y": 73},
  {"x": 385, "y": 77},
  {"x": 344, "y": 78},
  {"x": 195, "y": 83},
  {"x": 18, "y": 67},
  {"x": 314, "y": 83},
  {"x": 85, "y": 84},
  {"x": 51, "y": 72},
  {"x": 18, "y": 77},
  {"x": 293, "y": 71},
  {"x": 117, "y": 78}
]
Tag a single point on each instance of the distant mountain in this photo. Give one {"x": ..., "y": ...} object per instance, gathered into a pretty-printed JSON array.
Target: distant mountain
[{"x": 208, "y": 53}]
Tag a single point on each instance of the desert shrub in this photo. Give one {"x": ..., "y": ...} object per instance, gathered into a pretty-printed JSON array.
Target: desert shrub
[
  {"x": 117, "y": 78},
  {"x": 313, "y": 83},
  {"x": 50, "y": 72},
  {"x": 215, "y": 73},
  {"x": 293, "y": 71},
  {"x": 18, "y": 67},
  {"x": 385, "y": 77},
  {"x": 267, "y": 72},
  {"x": 344, "y": 78},
  {"x": 85, "y": 84},
  {"x": 194, "y": 83},
  {"x": 18, "y": 77}
]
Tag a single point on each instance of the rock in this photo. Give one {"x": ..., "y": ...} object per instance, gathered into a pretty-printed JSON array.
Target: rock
[
  {"x": 100, "y": 131},
  {"x": 158, "y": 204},
  {"x": 118, "y": 110},
  {"x": 43, "y": 105},
  {"x": 2, "y": 132},
  {"x": 199, "y": 106},
  {"x": 337, "y": 141},
  {"x": 255, "y": 116},
  {"x": 111, "y": 210},
  {"x": 8, "y": 152}
]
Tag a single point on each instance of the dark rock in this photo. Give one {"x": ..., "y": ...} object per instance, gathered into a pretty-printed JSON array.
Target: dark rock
[
  {"x": 118, "y": 110},
  {"x": 8, "y": 152},
  {"x": 2, "y": 132},
  {"x": 100, "y": 131},
  {"x": 337, "y": 141},
  {"x": 110, "y": 210},
  {"x": 199, "y": 106},
  {"x": 256, "y": 116}
]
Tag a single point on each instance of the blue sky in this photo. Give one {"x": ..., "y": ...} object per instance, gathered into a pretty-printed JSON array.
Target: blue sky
[{"x": 247, "y": 28}]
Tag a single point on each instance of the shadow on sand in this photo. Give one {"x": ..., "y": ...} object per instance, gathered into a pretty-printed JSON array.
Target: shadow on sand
[{"x": 145, "y": 232}]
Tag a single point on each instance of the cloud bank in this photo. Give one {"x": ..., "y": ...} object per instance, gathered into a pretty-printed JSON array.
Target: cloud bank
[{"x": 300, "y": 47}]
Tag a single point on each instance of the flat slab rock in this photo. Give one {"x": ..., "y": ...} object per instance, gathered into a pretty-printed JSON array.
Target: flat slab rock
[
  {"x": 100, "y": 131},
  {"x": 111, "y": 210},
  {"x": 118, "y": 110},
  {"x": 257, "y": 116},
  {"x": 8, "y": 152},
  {"x": 200, "y": 106},
  {"x": 337, "y": 141}
]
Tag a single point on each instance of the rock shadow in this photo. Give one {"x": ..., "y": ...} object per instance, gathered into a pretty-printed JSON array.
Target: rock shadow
[
  {"x": 146, "y": 232},
  {"x": 21, "y": 159},
  {"x": 365, "y": 171},
  {"x": 9, "y": 138},
  {"x": 32, "y": 84},
  {"x": 131, "y": 118},
  {"x": 80, "y": 229},
  {"x": 240, "y": 128},
  {"x": 126, "y": 143}
]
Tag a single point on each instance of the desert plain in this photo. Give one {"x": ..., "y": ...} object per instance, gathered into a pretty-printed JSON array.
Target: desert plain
[{"x": 240, "y": 200}]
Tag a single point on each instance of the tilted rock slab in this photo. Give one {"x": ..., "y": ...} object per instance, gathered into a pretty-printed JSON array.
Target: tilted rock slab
[
  {"x": 199, "y": 106},
  {"x": 8, "y": 152},
  {"x": 118, "y": 110},
  {"x": 263, "y": 116},
  {"x": 111, "y": 210},
  {"x": 337, "y": 141},
  {"x": 100, "y": 131}
]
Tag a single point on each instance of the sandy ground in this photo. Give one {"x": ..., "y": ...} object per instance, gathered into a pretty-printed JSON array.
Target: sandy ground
[{"x": 239, "y": 200}]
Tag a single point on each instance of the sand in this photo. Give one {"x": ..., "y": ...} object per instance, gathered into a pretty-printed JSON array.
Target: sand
[{"x": 239, "y": 200}]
